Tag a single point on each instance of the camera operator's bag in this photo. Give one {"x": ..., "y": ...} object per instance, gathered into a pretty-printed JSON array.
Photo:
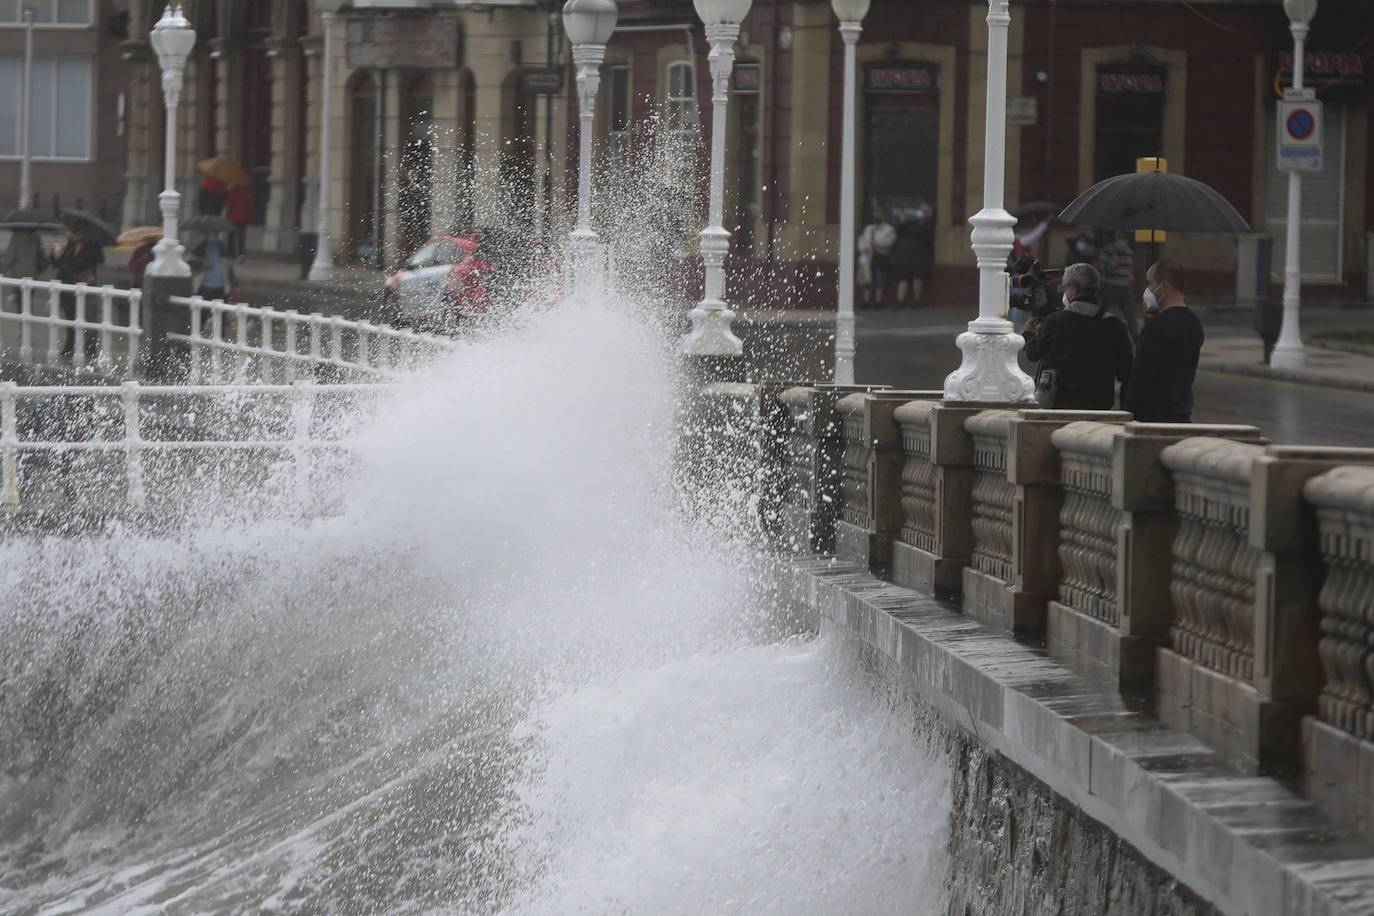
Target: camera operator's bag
[{"x": 1046, "y": 387}]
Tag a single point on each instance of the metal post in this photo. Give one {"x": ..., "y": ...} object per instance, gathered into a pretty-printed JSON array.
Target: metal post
[
  {"x": 584, "y": 242},
  {"x": 844, "y": 317},
  {"x": 711, "y": 334},
  {"x": 989, "y": 371},
  {"x": 323, "y": 268},
  {"x": 26, "y": 125},
  {"x": 1288, "y": 352},
  {"x": 9, "y": 443},
  {"x": 133, "y": 442}
]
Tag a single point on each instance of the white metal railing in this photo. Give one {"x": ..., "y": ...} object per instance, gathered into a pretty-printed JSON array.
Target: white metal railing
[
  {"x": 46, "y": 432},
  {"x": 242, "y": 343},
  {"x": 102, "y": 332},
  {"x": 226, "y": 341}
]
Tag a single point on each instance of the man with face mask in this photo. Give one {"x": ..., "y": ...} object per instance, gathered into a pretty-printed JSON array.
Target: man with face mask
[
  {"x": 1161, "y": 386},
  {"x": 1085, "y": 347}
]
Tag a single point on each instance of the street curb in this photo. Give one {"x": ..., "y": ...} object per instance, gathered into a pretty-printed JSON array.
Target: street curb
[{"x": 1297, "y": 376}]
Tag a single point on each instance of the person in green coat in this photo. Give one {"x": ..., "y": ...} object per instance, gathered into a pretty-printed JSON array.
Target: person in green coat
[{"x": 23, "y": 258}]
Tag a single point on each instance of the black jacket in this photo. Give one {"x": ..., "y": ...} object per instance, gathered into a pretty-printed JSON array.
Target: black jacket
[
  {"x": 1161, "y": 388},
  {"x": 1090, "y": 353}
]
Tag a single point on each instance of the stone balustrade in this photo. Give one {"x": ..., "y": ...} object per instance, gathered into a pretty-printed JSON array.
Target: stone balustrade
[
  {"x": 871, "y": 517},
  {"x": 935, "y": 542},
  {"x": 813, "y": 460},
  {"x": 1015, "y": 508},
  {"x": 1117, "y": 518},
  {"x": 1241, "y": 668},
  {"x": 1338, "y": 743}
]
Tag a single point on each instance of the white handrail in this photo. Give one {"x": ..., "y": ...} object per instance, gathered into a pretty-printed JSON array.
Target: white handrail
[
  {"x": 273, "y": 352},
  {"x": 116, "y": 344},
  {"x": 365, "y": 348}
]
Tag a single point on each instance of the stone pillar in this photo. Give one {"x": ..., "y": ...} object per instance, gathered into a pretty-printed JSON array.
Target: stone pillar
[
  {"x": 283, "y": 187},
  {"x": 161, "y": 361},
  {"x": 871, "y": 477},
  {"x": 142, "y": 108}
]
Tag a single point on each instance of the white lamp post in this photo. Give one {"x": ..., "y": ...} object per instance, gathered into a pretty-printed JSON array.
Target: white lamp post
[
  {"x": 589, "y": 24},
  {"x": 1288, "y": 352},
  {"x": 850, "y": 14},
  {"x": 323, "y": 267},
  {"x": 711, "y": 334},
  {"x": 989, "y": 371},
  {"x": 172, "y": 38},
  {"x": 26, "y": 124}
]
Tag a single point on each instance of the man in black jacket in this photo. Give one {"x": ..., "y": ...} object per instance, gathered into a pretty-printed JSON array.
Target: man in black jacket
[
  {"x": 1161, "y": 386},
  {"x": 1086, "y": 346}
]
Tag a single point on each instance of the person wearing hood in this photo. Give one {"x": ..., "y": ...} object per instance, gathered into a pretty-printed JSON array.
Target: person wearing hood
[{"x": 24, "y": 257}]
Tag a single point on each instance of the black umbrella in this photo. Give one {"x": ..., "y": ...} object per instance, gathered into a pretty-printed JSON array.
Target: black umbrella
[
  {"x": 1154, "y": 200},
  {"x": 26, "y": 218},
  {"x": 207, "y": 222},
  {"x": 96, "y": 229},
  {"x": 1033, "y": 208}
]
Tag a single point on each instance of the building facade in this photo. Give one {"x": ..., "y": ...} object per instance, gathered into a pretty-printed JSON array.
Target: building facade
[
  {"x": 79, "y": 109},
  {"x": 447, "y": 114}
]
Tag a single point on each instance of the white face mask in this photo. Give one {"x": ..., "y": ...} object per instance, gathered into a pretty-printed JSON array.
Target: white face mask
[
  {"x": 1151, "y": 300},
  {"x": 1065, "y": 299}
]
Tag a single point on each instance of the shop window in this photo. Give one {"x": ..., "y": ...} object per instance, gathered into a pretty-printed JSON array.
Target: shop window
[
  {"x": 1130, "y": 118},
  {"x": 61, "y": 107}
]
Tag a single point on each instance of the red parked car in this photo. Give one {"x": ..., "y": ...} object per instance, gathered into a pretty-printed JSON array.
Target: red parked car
[{"x": 442, "y": 282}]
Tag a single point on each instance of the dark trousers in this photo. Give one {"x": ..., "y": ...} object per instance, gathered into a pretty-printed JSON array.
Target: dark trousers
[{"x": 66, "y": 307}]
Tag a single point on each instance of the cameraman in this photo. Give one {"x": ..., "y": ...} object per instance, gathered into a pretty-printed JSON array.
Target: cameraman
[{"x": 1083, "y": 348}]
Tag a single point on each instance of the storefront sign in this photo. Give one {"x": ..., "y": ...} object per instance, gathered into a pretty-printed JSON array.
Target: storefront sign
[
  {"x": 1331, "y": 73},
  {"x": 543, "y": 80},
  {"x": 426, "y": 41},
  {"x": 902, "y": 78},
  {"x": 1130, "y": 82},
  {"x": 748, "y": 77}
]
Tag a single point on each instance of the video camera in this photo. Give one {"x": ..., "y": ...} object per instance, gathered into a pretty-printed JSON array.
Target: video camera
[{"x": 1032, "y": 289}]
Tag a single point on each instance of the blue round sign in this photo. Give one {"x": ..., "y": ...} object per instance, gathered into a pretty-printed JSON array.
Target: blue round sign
[{"x": 1301, "y": 124}]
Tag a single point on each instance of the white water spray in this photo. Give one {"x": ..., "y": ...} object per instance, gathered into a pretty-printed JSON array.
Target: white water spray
[{"x": 508, "y": 676}]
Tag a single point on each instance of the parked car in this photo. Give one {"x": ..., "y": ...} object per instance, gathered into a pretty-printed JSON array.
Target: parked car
[
  {"x": 463, "y": 274},
  {"x": 442, "y": 282}
]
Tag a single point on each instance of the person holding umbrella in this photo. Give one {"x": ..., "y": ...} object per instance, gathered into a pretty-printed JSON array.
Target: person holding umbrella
[
  {"x": 1161, "y": 385},
  {"x": 76, "y": 263}
]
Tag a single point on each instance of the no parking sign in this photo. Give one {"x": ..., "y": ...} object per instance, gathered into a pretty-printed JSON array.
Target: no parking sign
[{"x": 1300, "y": 135}]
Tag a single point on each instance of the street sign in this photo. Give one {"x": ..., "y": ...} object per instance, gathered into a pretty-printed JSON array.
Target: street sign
[{"x": 1300, "y": 134}]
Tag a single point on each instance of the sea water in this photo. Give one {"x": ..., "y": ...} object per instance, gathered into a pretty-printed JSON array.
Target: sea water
[{"x": 517, "y": 672}]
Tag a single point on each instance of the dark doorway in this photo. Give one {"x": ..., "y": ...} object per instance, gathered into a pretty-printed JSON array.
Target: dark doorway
[
  {"x": 1130, "y": 118},
  {"x": 362, "y": 176},
  {"x": 903, "y": 166}
]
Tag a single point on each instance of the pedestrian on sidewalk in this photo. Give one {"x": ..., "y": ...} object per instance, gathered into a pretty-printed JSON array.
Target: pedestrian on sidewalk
[
  {"x": 210, "y": 196},
  {"x": 139, "y": 260},
  {"x": 878, "y": 237},
  {"x": 239, "y": 211},
  {"x": 1161, "y": 385},
  {"x": 217, "y": 281},
  {"x": 77, "y": 263},
  {"x": 914, "y": 255}
]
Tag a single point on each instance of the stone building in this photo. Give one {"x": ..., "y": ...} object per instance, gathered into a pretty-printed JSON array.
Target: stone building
[{"x": 454, "y": 112}]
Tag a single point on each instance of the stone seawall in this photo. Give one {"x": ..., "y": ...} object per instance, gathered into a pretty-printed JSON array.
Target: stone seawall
[{"x": 1067, "y": 798}]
